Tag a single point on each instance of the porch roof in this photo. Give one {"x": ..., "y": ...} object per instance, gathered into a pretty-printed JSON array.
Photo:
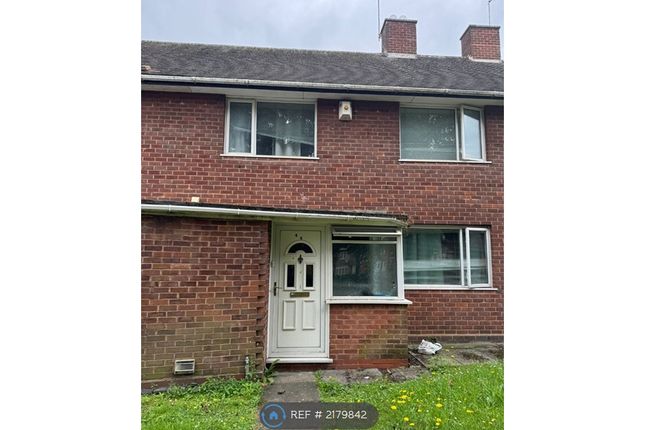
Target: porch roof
[{"x": 261, "y": 213}]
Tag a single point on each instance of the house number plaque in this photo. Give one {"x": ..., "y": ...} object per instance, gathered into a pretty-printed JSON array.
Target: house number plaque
[{"x": 299, "y": 294}]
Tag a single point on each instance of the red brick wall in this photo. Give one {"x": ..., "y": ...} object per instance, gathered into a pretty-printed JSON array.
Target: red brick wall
[
  {"x": 399, "y": 37},
  {"x": 203, "y": 295},
  {"x": 368, "y": 336},
  {"x": 358, "y": 170},
  {"x": 455, "y": 315},
  {"x": 481, "y": 43}
]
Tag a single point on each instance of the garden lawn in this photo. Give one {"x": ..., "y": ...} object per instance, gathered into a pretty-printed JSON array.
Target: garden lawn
[
  {"x": 465, "y": 397},
  {"x": 216, "y": 404}
]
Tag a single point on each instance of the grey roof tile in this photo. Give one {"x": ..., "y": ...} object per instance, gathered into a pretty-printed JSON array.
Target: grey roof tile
[{"x": 329, "y": 67}]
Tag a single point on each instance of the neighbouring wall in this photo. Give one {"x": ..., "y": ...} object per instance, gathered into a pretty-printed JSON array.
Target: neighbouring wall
[{"x": 203, "y": 295}]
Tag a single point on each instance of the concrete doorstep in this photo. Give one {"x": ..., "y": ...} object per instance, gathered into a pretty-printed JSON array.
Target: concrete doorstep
[{"x": 292, "y": 387}]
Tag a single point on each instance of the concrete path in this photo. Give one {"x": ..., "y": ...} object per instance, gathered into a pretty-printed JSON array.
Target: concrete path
[{"x": 292, "y": 387}]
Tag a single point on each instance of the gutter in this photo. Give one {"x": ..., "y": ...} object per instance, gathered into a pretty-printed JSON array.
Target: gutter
[
  {"x": 210, "y": 211},
  {"x": 317, "y": 87}
]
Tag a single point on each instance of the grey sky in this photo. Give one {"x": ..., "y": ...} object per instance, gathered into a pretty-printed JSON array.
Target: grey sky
[{"x": 338, "y": 25}]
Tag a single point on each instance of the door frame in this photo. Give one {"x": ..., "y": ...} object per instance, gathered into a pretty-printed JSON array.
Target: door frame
[{"x": 274, "y": 268}]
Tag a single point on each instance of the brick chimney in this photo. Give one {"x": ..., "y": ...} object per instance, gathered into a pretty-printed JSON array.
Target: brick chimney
[
  {"x": 399, "y": 36},
  {"x": 481, "y": 42}
]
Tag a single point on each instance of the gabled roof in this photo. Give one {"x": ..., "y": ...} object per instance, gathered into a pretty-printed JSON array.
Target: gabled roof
[{"x": 317, "y": 69}]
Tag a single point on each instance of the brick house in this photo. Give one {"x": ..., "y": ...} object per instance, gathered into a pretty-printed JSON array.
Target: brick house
[{"x": 321, "y": 208}]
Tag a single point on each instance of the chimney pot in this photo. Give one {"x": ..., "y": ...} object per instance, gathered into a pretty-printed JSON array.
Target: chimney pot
[
  {"x": 481, "y": 42},
  {"x": 399, "y": 36}
]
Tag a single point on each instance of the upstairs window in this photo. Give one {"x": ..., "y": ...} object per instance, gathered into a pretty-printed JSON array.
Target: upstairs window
[
  {"x": 271, "y": 129},
  {"x": 439, "y": 134},
  {"x": 447, "y": 258}
]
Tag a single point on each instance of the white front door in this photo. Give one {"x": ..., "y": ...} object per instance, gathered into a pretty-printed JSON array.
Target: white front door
[{"x": 298, "y": 318}]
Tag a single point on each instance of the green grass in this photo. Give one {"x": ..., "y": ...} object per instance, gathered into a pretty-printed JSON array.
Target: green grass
[
  {"x": 466, "y": 397},
  {"x": 216, "y": 404}
]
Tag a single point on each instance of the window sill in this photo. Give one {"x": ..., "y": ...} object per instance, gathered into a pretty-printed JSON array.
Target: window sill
[
  {"x": 366, "y": 301},
  {"x": 411, "y": 160},
  {"x": 447, "y": 288},
  {"x": 287, "y": 157}
]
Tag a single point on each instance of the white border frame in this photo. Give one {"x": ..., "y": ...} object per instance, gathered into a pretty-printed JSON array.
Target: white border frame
[
  {"x": 459, "y": 133},
  {"x": 254, "y": 120},
  {"x": 464, "y": 244}
]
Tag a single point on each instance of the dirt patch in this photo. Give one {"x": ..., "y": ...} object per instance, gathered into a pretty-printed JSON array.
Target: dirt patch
[{"x": 463, "y": 353}]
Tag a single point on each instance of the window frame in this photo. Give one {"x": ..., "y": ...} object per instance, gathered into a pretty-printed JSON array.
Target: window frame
[
  {"x": 489, "y": 258},
  {"x": 254, "y": 119},
  {"x": 393, "y": 237},
  {"x": 464, "y": 252},
  {"x": 482, "y": 139},
  {"x": 459, "y": 134}
]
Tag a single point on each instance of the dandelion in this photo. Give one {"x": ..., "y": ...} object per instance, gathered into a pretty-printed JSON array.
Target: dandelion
[
  {"x": 403, "y": 397},
  {"x": 393, "y": 407},
  {"x": 411, "y": 424},
  {"x": 406, "y": 419},
  {"x": 469, "y": 411},
  {"x": 439, "y": 405},
  {"x": 419, "y": 410}
]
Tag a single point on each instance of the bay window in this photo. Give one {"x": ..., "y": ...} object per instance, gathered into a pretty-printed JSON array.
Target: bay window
[
  {"x": 271, "y": 129},
  {"x": 442, "y": 134},
  {"x": 442, "y": 257}
]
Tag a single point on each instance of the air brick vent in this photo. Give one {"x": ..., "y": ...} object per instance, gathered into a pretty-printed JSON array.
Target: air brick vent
[{"x": 184, "y": 367}]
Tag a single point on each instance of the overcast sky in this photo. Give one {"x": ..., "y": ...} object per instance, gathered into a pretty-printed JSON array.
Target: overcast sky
[{"x": 338, "y": 25}]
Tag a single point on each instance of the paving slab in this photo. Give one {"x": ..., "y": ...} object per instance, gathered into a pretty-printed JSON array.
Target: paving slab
[
  {"x": 401, "y": 374},
  {"x": 363, "y": 376},
  {"x": 339, "y": 376},
  {"x": 351, "y": 376},
  {"x": 292, "y": 387}
]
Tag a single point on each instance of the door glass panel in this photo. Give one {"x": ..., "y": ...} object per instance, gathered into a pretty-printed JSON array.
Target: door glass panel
[
  {"x": 291, "y": 276},
  {"x": 300, "y": 247},
  {"x": 309, "y": 276}
]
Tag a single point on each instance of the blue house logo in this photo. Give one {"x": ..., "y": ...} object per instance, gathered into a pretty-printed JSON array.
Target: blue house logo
[{"x": 273, "y": 415}]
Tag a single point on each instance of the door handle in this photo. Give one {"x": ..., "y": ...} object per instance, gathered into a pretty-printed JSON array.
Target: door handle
[{"x": 275, "y": 288}]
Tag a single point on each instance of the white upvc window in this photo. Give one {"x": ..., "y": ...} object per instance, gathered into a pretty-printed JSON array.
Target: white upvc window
[
  {"x": 270, "y": 129},
  {"x": 437, "y": 257},
  {"x": 367, "y": 263},
  {"x": 442, "y": 133}
]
